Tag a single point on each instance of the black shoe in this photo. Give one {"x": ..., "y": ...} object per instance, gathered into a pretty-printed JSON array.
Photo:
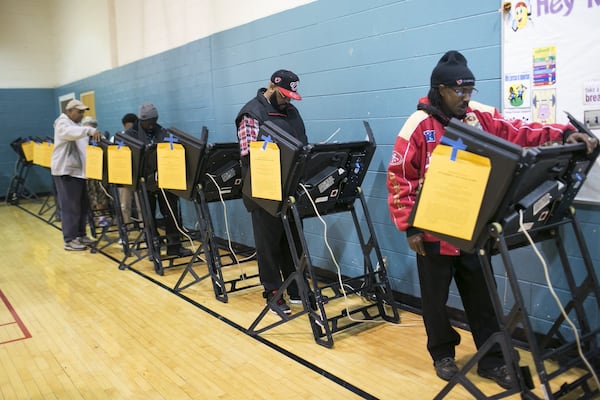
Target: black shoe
[
  {"x": 179, "y": 251},
  {"x": 499, "y": 375},
  {"x": 445, "y": 368},
  {"x": 278, "y": 305},
  {"x": 295, "y": 298}
]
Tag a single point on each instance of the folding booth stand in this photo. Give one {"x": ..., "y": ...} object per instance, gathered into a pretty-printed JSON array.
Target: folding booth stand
[
  {"x": 133, "y": 235},
  {"x": 142, "y": 155},
  {"x": 101, "y": 217},
  {"x": 219, "y": 179},
  {"x": 17, "y": 188},
  {"x": 527, "y": 201},
  {"x": 319, "y": 180}
]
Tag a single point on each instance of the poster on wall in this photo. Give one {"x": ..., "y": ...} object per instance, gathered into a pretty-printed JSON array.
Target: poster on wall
[{"x": 549, "y": 67}]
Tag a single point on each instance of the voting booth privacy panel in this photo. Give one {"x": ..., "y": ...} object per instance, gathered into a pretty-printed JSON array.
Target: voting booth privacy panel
[
  {"x": 484, "y": 179},
  {"x": 293, "y": 181},
  {"x": 194, "y": 149},
  {"x": 322, "y": 176},
  {"x": 550, "y": 65}
]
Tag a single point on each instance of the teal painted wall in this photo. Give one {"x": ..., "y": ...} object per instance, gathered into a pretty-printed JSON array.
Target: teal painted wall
[{"x": 357, "y": 60}]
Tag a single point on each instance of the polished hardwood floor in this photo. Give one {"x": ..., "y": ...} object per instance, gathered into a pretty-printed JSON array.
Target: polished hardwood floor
[{"x": 75, "y": 326}]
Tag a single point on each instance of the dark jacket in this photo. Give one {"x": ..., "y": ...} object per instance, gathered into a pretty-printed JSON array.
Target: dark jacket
[
  {"x": 150, "y": 139},
  {"x": 260, "y": 109}
]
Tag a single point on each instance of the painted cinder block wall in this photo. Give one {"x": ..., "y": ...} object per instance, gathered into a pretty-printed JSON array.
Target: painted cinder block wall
[{"x": 357, "y": 61}]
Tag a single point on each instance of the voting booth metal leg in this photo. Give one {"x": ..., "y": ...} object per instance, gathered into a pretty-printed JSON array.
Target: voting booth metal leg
[
  {"x": 311, "y": 292},
  {"x": 312, "y": 301},
  {"x": 210, "y": 248},
  {"x": 17, "y": 189},
  {"x": 210, "y": 251},
  {"x": 153, "y": 240},
  {"x": 584, "y": 293},
  {"x": 48, "y": 206},
  {"x": 150, "y": 232},
  {"x": 542, "y": 347},
  {"x": 103, "y": 233},
  {"x": 143, "y": 244}
]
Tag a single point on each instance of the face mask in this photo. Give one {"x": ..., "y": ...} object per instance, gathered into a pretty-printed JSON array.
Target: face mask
[{"x": 275, "y": 103}]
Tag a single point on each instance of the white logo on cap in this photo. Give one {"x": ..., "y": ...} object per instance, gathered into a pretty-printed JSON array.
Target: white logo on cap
[{"x": 294, "y": 86}]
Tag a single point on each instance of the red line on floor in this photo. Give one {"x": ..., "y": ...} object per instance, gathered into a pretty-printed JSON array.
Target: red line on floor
[{"x": 9, "y": 307}]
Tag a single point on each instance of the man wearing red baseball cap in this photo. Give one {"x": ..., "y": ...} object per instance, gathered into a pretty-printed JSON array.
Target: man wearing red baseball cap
[{"x": 273, "y": 104}]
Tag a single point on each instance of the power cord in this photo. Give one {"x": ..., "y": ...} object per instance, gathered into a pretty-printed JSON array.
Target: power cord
[
  {"x": 557, "y": 300},
  {"x": 229, "y": 245},
  {"x": 162, "y": 191},
  {"x": 339, "y": 272}
]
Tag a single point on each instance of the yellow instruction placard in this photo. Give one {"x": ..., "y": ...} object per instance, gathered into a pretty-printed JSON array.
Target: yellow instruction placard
[
  {"x": 170, "y": 159},
  {"x": 28, "y": 150},
  {"x": 265, "y": 170},
  {"x": 94, "y": 162},
  {"x": 119, "y": 165},
  {"x": 452, "y": 192},
  {"x": 42, "y": 154}
]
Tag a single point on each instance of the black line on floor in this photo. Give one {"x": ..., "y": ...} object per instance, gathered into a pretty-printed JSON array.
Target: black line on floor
[
  {"x": 315, "y": 368},
  {"x": 287, "y": 353}
]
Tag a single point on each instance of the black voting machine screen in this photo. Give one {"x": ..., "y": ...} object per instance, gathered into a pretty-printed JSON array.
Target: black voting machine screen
[
  {"x": 543, "y": 181},
  {"x": 137, "y": 149},
  {"x": 194, "y": 152},
  {"x": 328, "y": 174},
  {"x": 222, "y": 172}
]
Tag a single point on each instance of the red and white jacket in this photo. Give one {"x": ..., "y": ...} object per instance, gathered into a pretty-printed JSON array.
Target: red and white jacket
[{"x": 420, "y": 135}]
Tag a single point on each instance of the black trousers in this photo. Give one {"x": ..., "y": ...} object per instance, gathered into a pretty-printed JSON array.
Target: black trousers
[
  {"x": 435, "y": 275},
  {"x": 273, "y": 255},
  {"x": 74, "y": 205},
  {"x": 168, "y": 208}
]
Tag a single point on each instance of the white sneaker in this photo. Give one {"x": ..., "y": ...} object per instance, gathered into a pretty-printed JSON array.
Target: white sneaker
[
  {"x": 75, "y": 245},
  {"x": 86, "y": 240}
]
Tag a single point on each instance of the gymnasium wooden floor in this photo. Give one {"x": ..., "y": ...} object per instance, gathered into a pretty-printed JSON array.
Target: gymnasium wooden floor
[{"x": 74, "y": 326}]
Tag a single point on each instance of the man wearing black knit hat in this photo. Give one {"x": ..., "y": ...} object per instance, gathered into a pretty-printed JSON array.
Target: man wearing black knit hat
[{"x": 438, "y": 262}]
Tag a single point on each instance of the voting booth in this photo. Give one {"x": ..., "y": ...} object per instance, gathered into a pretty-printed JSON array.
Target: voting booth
[
  {"x": 498, "y": 197},
  {"x": 299, "y": 182},
  {"x": 219, "y": 180}
]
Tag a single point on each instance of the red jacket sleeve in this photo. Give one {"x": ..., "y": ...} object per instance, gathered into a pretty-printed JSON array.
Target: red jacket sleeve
[
  {"x": 406, "y": 169},
  {"x": 515, "y": 131}
]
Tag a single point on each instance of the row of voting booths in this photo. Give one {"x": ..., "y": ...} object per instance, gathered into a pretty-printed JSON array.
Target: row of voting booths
[
  {"x": 499, "y": 197},
  {"x": 287, "y": 179}
]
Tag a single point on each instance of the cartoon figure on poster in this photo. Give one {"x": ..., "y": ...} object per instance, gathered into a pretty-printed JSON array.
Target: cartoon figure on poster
[
  {"x": 544, "y": 106},
  {"x": 517, "y": 15},
  {"x": 516, "y": 90},
  {"x": 516, "y": 95}
]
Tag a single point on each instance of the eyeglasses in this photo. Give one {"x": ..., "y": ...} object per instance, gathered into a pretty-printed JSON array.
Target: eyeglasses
[{"x": 460, "y": 91}]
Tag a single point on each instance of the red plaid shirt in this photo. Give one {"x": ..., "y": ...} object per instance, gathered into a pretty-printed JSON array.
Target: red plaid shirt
[{"x": 247, "y": 133}]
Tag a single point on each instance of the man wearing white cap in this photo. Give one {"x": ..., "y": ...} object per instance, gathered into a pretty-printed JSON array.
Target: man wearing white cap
[{"x": 68, "y": 171}]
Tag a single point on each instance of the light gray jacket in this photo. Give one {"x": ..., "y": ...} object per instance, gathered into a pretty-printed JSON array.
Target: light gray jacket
[{"x": 70, "y": 141}]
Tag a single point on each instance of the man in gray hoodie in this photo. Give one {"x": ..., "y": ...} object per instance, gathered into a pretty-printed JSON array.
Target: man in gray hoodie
[{"x": 68, "y": 171}]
